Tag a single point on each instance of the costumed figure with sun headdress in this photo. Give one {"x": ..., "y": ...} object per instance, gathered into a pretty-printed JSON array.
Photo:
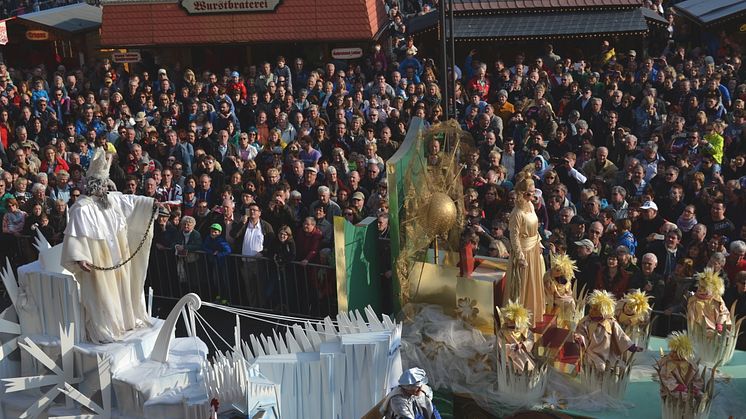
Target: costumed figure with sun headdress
[
  {"x": 633, "y": 314},
  {"x": 521, "y": 374},
  {"x": 606, "y": 351},
  {"x": 712, "y": 327},
  {"x": 686, "y": 390},
  {"x": 516, "y": 337},
  {"x": 558, "y": 290}
]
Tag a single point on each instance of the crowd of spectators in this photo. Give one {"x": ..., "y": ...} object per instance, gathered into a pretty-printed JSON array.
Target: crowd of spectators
[
  {"x": 639, "y": 157},
  {"x": 10, "y": 8}
]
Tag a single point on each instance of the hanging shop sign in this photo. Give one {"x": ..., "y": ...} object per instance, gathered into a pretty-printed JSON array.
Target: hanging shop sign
[
  {"x": 37, "y": 35},
  {"x": 229, "y": 6},
  {"x": 126, "y": 57},
  {"x": 347, "y": 53}
]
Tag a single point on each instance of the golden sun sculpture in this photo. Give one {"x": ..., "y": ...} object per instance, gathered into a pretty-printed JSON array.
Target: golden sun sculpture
[{"x": 433, "y": 202}]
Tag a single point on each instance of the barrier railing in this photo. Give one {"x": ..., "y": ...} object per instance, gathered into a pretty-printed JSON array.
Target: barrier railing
[{"x": 256, "y": 282}]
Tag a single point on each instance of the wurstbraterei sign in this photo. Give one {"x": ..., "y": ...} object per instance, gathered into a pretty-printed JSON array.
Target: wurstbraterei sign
[{"x": 229, "y": 6}]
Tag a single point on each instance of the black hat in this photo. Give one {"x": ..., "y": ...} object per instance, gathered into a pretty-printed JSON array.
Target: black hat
[{"x": 577, "y": 220}]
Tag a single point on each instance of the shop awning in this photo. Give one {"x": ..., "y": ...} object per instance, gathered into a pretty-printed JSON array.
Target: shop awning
[
  {"x": 709, "y": 12},
  {"x": 550, "y": 25},
  {"x": 79, "y": 17}
]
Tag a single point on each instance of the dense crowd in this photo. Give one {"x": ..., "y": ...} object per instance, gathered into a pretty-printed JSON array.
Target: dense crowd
[
  {"x": 11, "y": 8},
  {"x": 639, "y": 158}
]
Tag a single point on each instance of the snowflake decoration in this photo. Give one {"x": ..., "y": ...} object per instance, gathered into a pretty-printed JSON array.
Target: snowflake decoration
[
  {"x": 467, "y": 310},
  {"x": 7, "y": 326},
  {"x": 431, "y": 348},
  {"x": 481, "y": 363},
  {"x": 11, "y": 328},
  {"x": 61, "y": 380},
  {"x": 553, "y": 401}
]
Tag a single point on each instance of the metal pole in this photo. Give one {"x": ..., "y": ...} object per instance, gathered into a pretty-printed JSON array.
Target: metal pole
[
  {"x": 452, "y": 79},
  {"x": 444, "y": 61}
]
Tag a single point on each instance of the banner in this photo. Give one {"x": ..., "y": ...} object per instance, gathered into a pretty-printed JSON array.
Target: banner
[{"x": 3, "y": 33}]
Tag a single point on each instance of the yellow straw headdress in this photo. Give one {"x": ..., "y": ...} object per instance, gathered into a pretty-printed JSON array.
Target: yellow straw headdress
[
  {"x": 681, "y": 344},
  {"x": 516, "y": 313},
  {"x": 638, "y": 301},
  {"x": 604, "y": 301},
  {"x": 566, "y": 265},
  {"x": 711, "y": 282}
]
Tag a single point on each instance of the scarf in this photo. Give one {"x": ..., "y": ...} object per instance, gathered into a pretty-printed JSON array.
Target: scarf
[{"x": 686, "y": 225}]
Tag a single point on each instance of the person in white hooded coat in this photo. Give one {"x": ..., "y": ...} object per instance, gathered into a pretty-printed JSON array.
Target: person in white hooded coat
[{"x": 106, "y": 246}]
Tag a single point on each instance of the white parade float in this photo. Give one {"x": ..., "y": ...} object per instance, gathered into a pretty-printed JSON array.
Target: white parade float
[{"x": 331, "y": 368}]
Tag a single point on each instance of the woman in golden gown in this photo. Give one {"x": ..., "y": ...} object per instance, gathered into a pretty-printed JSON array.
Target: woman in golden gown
[{"x": 526, "y": 271}]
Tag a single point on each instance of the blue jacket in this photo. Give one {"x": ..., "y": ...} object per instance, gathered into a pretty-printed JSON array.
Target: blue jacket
[
  {"x": 219, "y": 245},
  {"x": 81, "y": 128},
  {"x": 628, "y": 240}
]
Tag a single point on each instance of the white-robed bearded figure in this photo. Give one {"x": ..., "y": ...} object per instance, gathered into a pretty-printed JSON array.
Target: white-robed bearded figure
[{"x": 105, "y": 228}]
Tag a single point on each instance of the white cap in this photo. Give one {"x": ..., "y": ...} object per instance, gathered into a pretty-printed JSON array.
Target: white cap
[
  {"x": 649, "y": 205},
  {"x": 413, "y": 376}
]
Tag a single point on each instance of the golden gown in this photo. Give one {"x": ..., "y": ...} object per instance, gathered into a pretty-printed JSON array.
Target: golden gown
[{"x": 525, "y": 284}]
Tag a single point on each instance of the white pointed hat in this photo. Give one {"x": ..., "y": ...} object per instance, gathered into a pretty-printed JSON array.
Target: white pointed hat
[{"x": 100, "y": 163}]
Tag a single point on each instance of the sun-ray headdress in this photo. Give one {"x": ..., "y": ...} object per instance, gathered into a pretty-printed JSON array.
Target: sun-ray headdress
[
  {"x": 566, "y": 265},
  {"x": 681, "y": 344},
  {"x": 604, "y": 301},
  {"x": 516, "y": 313},
  {"x": 711, "y": 282},
  {"x": 639, "y": 302}
]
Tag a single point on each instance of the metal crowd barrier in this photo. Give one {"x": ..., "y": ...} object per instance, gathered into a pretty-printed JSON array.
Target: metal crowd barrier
[
  {"x": 259, "y": 283},
  {"x": 253, "y": 282}
]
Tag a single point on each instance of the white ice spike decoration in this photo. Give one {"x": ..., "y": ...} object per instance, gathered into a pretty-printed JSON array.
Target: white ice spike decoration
[{"x": 325, "y": 370}]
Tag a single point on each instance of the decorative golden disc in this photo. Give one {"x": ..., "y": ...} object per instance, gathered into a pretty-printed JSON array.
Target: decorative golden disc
[{"x": 440, "y": 214}]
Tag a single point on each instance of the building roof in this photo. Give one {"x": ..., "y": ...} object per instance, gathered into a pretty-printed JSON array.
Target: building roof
[
  {"x": 513, "y": 5},
  {"x": 654, "y": 17},
  {"x": 79, "y": 17},
  {"x": 549, "y": 25},
  {"x": 543, "y": 25},
  {"x": 708, "y": 12},
  {"x": 134, "y": 23}
]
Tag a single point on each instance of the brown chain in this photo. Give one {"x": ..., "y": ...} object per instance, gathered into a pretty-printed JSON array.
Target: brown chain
[{"x": 139, "y": 247}]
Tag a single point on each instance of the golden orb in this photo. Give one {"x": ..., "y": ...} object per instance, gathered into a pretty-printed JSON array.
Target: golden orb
[{"x": 440, "y": 214}]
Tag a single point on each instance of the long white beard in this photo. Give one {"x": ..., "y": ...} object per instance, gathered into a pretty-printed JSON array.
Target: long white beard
[{"x": 98, "y": 190}]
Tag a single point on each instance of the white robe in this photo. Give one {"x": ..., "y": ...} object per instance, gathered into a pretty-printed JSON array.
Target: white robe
[{"x": 113, "y": 301}]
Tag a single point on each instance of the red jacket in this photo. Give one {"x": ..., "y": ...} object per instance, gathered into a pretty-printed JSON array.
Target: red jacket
[
  {"x": 618, "y": 286},
  {"x": 60, "y": 165},
  {"x": 307, "y": 245},
  {"x": 240, "y": 87}
]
